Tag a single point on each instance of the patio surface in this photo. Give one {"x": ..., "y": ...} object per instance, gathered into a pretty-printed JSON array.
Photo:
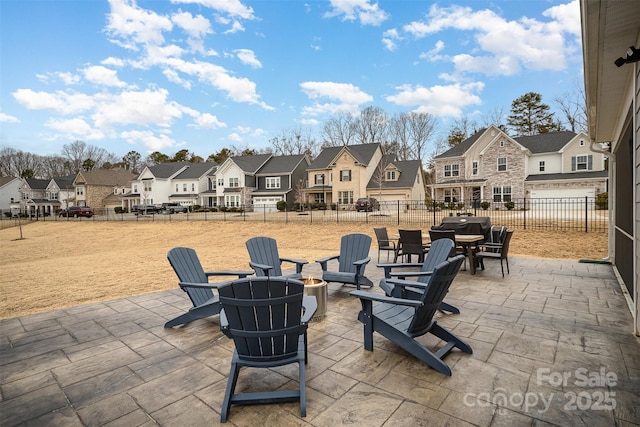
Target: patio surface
[{"x": 552, "y": 343}]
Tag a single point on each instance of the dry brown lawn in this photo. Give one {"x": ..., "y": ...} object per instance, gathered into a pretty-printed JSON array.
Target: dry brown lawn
[{"x": 63, "y": 264}]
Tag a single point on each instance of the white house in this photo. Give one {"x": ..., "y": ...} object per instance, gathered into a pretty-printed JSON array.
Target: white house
[{"x": 9, "y": 193}]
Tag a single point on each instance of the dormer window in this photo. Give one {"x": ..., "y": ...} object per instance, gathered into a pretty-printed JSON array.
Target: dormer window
[{"x": 391, "y": 176}]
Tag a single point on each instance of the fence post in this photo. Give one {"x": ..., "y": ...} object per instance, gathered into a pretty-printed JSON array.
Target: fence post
[
  {"x": 337, "y": 212},
  {"x": 586, "y": 214},
  {"x": 434, "y": 211},
  {"x": 398, "y": 209},
  {"x": 524, "y": 212}
]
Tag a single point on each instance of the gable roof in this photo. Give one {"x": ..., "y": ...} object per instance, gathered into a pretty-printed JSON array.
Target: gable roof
[
  {"x": 460, "y": 148},
  {"x": 363, "y": 153},
  {"x": 282, "y": 164},
  {"x": 65, "y": 182},
  {"x": 4, "y": 180},
  {"x": 250, "y": 164},
  {"x": 196, "y": 170},
  {"x": 165, "y": 170},
  {"x": 408, "y": 170},
  {"x": 546, "y": 142},
  {"x": 109, "y": 177},
  {"x": 37, "y": 183}
]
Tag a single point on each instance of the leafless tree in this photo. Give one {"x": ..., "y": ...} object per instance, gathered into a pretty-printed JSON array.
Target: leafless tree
[
  {"x": 294, "y": 141},
  {"x": 573, "y": 107},
  {"x": 421, "y": 129},
  {"x": 18, "y": 163},
  {"x": 78, "y": 151},
  {"x": 400, "y": 135},
  {"x": 300, "y": 193},
  {"x": 372, "y": 126},
  {"x": 338, "y": 130}
]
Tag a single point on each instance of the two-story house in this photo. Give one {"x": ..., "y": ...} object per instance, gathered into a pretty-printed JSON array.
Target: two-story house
[
  {"x": 279, "y": 180},
  {"x": 94, "y": 187},
  {"x": 236, "y": 179},
  {"x": 491, "y": 165},
  {"x": 33, "y": 198},
  {"x": 177, "y": 182},
  {"x": 397, "y": 181},
  {"x": 9, "y": 194}
]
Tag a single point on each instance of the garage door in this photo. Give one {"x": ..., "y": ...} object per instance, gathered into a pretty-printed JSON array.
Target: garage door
[
  {"x": 265, "y": 204},
  {"x": 559, "y": 193},
  {"x": 389, "y": 201}
]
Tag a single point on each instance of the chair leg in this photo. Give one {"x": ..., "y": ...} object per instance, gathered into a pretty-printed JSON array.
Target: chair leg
[
  {"x": 303, "y": 396},
  {"x": 507, "y": 261},
  {"x": 231, "y": 388},
  {"x": 501, "y": 267}
]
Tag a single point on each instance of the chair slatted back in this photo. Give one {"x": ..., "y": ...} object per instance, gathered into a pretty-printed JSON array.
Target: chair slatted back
[
  {"x": 497, "y": 234},
  {"x": 264, "y": 316},
  {"x": 443, "y": 234},
  {"x": 186, "y": 264},
  {"x": 382, "y": 237},
  {"x": 411, "y": 242},
  {"x": 439, "y": 283},
  {"x": 439, "y": 252},
  {"x": 353, "y": 247},
  {"x": 504, "y": 252},
  {"x": 264, "y": 250}
]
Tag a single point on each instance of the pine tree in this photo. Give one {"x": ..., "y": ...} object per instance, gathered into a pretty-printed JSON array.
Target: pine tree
[{"x": 530, "y": 116}]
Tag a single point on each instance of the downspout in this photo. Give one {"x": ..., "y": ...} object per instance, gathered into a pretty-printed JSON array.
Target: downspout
[{"x": 612, "y": 160}]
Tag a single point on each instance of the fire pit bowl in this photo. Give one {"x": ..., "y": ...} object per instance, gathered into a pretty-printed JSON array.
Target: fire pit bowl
[{"x": 317, "y": 288}]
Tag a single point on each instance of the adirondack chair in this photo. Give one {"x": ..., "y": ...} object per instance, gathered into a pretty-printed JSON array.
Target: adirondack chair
[
  {"x": 267, "y": 318},
  {"x": 439, "y": 252},
  {"x": 195, "y": 282},
  {"x": 265, "y": 260},
  {"x": 352, "y": 261},
  {"x": 402, "y": 320}
]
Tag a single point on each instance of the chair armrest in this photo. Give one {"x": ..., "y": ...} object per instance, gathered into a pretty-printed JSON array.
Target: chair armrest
[
  {"x": 298, "y": 262},
  {"x": 411, "y": 274},
  {"x": 362, "y": 261},
  {"x": 200, "y": 285},
  {"x": 389, "y": 267},
  {"x": 240, "y": 274},
  {"x": 323, "y": 261},
  {"x": 310, "y": 305},
  {"x": 370, "y": 296},
  {"x": 224, "y": 324},
  {"x": 412, "y": 283},
  {"x": 264, "y": 267}
]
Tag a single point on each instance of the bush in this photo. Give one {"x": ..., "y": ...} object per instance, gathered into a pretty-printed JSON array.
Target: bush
[
  {"x": 485, "y": 205},
  {"x": 120, "y": 210},
  {"x": 281, "y": 205},
  {"x": 602, "y": 200},
  {"x": 509, "y": 205},
  {"x": 333, "y": 206},
  {"x": 460, "y": 206},
  {"x": 451, "y": 205}
]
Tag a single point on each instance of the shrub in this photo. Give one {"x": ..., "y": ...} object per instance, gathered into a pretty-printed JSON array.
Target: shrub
[
  {"x": 451, "y": 205},
  {"x": 602, "y": 200},
  {"x": 333, "y": 206},
  {"x": 485, "y": 205},
  {"x": 281, "y": 205},
  {"x": 120, "y": 210},
  {"x": 460, "y": 206},
  {"x": 509, "y": 205}
]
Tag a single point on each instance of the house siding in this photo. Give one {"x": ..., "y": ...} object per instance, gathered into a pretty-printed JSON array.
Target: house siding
[{"x": 516, "y": 168}]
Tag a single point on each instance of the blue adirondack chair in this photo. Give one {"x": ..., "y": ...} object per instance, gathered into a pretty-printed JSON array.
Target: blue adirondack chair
[
  {"x": 267, "y": 318},
  {"x": 352, "y": 261},
  {"x": 195, "y": 282},
  {"x": 265, "y": 260},
  {"x": 403, "y": 320},
  {"x": 440, "y": 250}
]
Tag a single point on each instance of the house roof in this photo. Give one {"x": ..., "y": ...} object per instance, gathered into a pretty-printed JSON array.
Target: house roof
[
  {"x": 4, "y": 180},
  {"x": 166, "y": 170},
  {"x": 37, "y": 183},
  {"x": 546, "y": 142},
  {"x": 460, "y": 148},
  {"x": 117, "y": 176},
  {"x": 281, "y": 164},
  {"x": 408, "y": 170},
  {"x": 196, "y": 170},
  {"x": 566, "y": 176},
  {"x": 361, "y": 152},
  {"x": 250, "y": 164},
  {"x": 65, "y": 182}
]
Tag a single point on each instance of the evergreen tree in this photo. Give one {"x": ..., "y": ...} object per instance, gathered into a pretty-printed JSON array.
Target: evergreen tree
[{"x": 530, "y": 116}]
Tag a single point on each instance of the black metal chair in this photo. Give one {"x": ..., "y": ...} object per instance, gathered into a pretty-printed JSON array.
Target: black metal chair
[
  {"x": 410, "y": 243},
  {"x": 195, "y": 282},
  {"x": 384, "y": 243},
  {"x": 496, "y": 251},
  {"x": 267, "y": 318},
  {"x": 403, "y": 320}
]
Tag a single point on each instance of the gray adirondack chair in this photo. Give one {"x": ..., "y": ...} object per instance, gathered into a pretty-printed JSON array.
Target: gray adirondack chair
[
  {"x": 265, "y": 260},
  {"x": 267, "y": 318},
  {"x": 403, "y": 320},
  {"x": 352, "y": 261},
  {"x": 439, "y": 252},
  {"x": 195, "y": 282}
]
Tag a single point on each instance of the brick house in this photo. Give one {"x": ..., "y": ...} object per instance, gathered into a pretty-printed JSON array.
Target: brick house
[
  {"x": 94, "y": 186},
  {"x": 490, "y": 165}
]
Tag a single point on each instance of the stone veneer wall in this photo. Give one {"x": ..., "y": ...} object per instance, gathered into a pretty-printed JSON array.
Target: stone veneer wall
[{"x": 513, "y": 176}]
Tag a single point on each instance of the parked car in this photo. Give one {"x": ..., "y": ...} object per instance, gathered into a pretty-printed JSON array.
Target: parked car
[
  {"x": 77, "y": 211},
  {"x": 145, "y": 209},
  {"x": 170, "y": 208},
  {"x": 367, "y": 204}
]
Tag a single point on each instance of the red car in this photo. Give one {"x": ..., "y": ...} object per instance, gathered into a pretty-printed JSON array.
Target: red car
[{"x": 77, "y": 211}]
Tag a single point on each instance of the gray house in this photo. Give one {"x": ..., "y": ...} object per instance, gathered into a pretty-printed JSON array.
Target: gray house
[{"x": 279, "y": 179}]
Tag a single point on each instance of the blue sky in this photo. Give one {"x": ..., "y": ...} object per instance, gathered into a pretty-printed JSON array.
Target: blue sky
[{"x": 206, "y": 74}]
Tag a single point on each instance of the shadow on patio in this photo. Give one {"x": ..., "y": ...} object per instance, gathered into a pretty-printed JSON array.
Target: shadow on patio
[{"x": 552, "y": 343}]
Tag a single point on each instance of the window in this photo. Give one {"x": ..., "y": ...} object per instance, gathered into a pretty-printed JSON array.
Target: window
[
  {"x": 318, "y": 179},
  {"x": 502, "y": 193},
  {"x": 391, "y": 176},
  {"x": 452, "y": 170},
  {"x": 447, "y": 170},
  {"x": 177, "y": 190},
  {"x": 135, "y": 188},
  {"x": 233, "y": 182},
  {"x": 582, "y": 143},
  {"x": 474, "y": 168},
  {"x": 345, "y": 197},
  {"x": 147, "y": 187},
  {"x": 273, "y": 182},
  {"x": 502, "y": 164},
  {"x": 501, "y": 143},
  {"x": 232, "y": 201},
  {"x": 184, "y": 187},
  {"x": 80, "y": 191},
  {"x": 53, "y": 196},
  {"x": 193, "y": 187},
  {"x": 541, "y": 165},
  {"x": 450, "y": 195},
  {"x": 345, "y": 175},
  {"x": 582, "y": 163},
  {"x": 220, "y": 182}
]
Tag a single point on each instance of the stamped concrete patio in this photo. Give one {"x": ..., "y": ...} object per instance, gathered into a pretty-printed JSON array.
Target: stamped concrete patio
[{"x": 552, "y": 343}]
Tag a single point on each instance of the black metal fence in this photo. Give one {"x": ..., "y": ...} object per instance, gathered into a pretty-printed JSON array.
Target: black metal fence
[{"x": 577, "y": 213}]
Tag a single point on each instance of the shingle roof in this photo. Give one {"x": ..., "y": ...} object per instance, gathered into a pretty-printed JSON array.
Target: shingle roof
[
  {"x": 546, "y": 142},
  {"x": 166, "y": 170},
  {"x": 251, "y": 164},
  {"x": 570, "y": 175},
  {"x": 361, "y": 152},
  {"x": 460, "y": 148},
  {"x": 37, "y": 183},
  {"x": 4, "y": 180},
  {"x": 281, "y": 164},
  {"x": 408, "y": 170},
  {"x": 196, "y": 170},
  {"x": 116, "y": 176},
  {"x": 65, "y": 182}
]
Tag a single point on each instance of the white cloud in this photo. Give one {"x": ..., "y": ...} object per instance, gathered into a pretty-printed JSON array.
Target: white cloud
[
  {"x": 390, "y": 38},
  {"x": 152, "y": 141},
  {"x": 235, "y": 137},
  {"x": 434, "y": 54},
  {"x": 363, "y": 10},
  {"x": 233, "y": 8},
  {"x": 113, "y": 62},
  {"x": 5, "y": 118},
  {"x": 75, "y": 128},
  {"x": 174, "y": 77},
  {"x": 59, "y": 101},
  {"x": 103, "y": 76},
  {"x": 236, "y": 27},
  {"x": 132, "y": 25},
  {"x": 438, "y": 100},
  {"x": 347, "y": 96},
  {"x": 504, "y": 47},
  {"x": 247, "y": 56},
  {"x": 208, "y": 121},
  {"x": 195, "y": 26},
  {"x": 136, "y": 108}
]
